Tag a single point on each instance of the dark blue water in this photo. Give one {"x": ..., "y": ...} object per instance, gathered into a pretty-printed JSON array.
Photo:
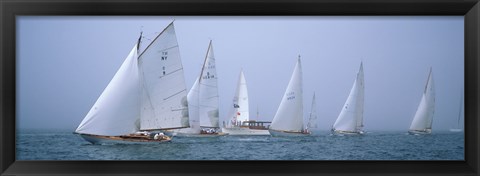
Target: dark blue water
[{"x": 63, "y": 145}]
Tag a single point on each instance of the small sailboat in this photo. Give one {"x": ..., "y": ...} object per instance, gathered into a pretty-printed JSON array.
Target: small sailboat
[
  {"x": 240, "y": 123},
  {"x": 146, "y": 95},
  {"x": 458, "y": 127},
  {"x": 203, "y": 100},
  {"x": 422, "y": 121},
  {"x": 350, "y": 119},
  {"x": 312, "y": 120},
  {"x": 288, "y": 120}
]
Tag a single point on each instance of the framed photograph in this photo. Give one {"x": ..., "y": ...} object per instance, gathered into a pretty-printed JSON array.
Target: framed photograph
[{"x": 251, "y": 87}]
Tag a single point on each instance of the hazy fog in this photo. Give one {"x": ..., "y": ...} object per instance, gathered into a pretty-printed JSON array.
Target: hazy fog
[{"x": 64, "y": 63}]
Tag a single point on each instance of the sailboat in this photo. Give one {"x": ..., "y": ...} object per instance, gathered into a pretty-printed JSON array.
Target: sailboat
[
  {"x": 312, "y": 120},
  {"x": 422, "y": 121},
  {"x": 458, "y": 128},
  {"x": 240, "y": 124},
  {"x": 203, "y": 101},
  {"x": 145, "y": 96},
  {"x": 350, "y": 119},
  {"x": 288, "y": 121}
]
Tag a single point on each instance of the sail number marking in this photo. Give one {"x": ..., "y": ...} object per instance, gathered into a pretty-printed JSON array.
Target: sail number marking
[{"x": 290, "y": 95}]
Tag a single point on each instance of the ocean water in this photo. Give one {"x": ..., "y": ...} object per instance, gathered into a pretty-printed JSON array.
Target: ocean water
[{"x": 376, "y": 145}]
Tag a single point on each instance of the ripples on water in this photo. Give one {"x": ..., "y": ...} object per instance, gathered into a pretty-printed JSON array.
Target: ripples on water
[{"x": 41, "y": 145}]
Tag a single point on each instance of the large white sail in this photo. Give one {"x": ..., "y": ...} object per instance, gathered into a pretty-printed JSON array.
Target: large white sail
[
  {"x": 423, "y": 118},
  {"x": 350, "y": 118},
  {"x": 117, "y": 111},
  {"x": 164, "y": 101},
  {"x": 312, "y": 120},
  {"x": 239, "y": 111},
  {"x": 208, "y": 92},
  {"x": 289, "y": 116}
]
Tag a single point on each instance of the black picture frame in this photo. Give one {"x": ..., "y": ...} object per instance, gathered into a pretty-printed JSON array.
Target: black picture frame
[{"x": 9, "y": 9}]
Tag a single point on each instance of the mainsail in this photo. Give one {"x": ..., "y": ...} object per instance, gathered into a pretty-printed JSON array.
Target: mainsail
[
  {"x": 423, "y": 118},
  {"x": 350, "y": 118},
  {"x": 239, "y": 109},
  {"x": 117, "y": 111},
  {"x": 208, "y": 92},
  {"x": 289, "y": 116},
  {"x": 164, "y": 101}
]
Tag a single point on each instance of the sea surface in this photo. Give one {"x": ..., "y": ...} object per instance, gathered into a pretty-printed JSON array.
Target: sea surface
[{"x": 375, "y": 145}]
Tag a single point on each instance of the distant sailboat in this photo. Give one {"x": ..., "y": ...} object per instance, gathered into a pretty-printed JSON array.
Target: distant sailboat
[
  {"x": 203, "y": 100},
  {"x": 312, "y": 120},
  {"x": 458, "y": 127},
  {"x": 350, "y": 119},
  {"x": 146, "y": 95},
  {"x": 422, "y": 121},
  {"x": 240, "y": 124},
  {"x": 288, "y": 120}
]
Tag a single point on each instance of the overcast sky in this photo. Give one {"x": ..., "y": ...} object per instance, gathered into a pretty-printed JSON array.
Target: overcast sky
[{"x": 64, "y": 63}]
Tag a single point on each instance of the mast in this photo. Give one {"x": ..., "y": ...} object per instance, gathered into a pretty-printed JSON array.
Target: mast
[{"x": 139, "y": 41}]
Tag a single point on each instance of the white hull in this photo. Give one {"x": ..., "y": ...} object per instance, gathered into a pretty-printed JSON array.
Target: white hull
[
  {"x": 276, "y": 133},
  {"x": 117, "y": 140},
  {"x": 238, "y": 131},
  {"x": 338, "y": 132},
  {"x": 198, "y": 135},
  {"x": 416, "y": 132},
  {"x": 191, "y": 134},
  {"x": 456, "y": 130}
]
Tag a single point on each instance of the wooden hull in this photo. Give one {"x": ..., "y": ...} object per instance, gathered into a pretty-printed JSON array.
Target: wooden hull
[
  {"x": 238, "y": 131},
  {"x": 276, "y": 133},
  {"x": 97, "y": 139}
]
